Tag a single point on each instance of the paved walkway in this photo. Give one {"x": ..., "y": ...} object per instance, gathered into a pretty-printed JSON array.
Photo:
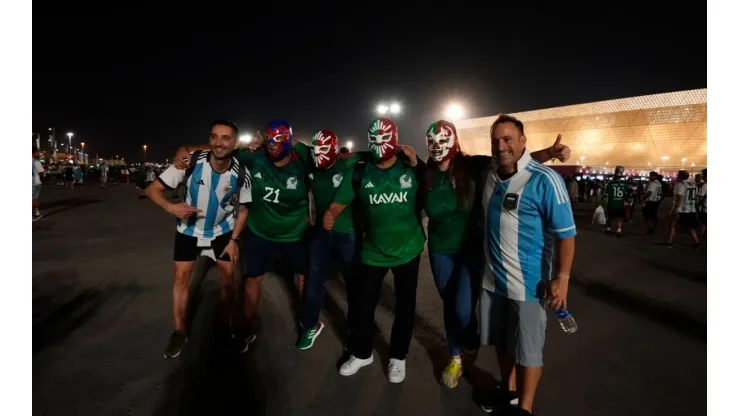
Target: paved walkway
[{"x": 101, "y": 316}]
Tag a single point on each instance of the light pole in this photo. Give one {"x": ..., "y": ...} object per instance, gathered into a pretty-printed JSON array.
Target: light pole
[{"x": 145, "y": 153}]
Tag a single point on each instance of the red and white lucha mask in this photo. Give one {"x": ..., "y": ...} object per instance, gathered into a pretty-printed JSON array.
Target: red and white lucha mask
[
  {"x": 325, "y": 148},
  {"x": 442, "y": 141},
  {"x": 383, "y": 138}
]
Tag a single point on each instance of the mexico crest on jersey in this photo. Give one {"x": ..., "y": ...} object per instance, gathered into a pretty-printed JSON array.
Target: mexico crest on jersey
[
  {"x": 405, "y": 181},
  {"x": 337, "y": 179},
  {"x": 292, "y": 183}
]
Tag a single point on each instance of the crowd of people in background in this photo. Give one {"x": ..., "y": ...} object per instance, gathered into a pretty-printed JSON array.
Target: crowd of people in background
[
  {"x": 627, "y": 195},
  {"x": 73, "y": 175}
]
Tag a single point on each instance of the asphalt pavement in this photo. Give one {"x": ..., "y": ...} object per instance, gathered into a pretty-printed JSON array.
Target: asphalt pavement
[{"x": 102, "y": 275}]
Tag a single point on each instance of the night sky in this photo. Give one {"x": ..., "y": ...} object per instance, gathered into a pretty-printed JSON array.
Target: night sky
[{"x": 125, "y": 79}]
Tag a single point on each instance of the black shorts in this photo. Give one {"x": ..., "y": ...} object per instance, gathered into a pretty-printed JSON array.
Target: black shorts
[
  {"x": 615, "y": 213},
  {"x": 688, "y": 220},
  {"x": 650, "y": 211},
  {"x": 703, "y": 218},
  {"x": 258, "y": 254},
  {"x": 186, "y": 247}
]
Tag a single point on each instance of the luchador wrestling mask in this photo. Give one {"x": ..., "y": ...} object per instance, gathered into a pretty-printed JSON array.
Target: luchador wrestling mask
[
  {"x": 442, "y": 141},
  {"x": 324, "y": 147},
  {"x": 383, "y": 138},
  {"x": 279, "y": 139}
]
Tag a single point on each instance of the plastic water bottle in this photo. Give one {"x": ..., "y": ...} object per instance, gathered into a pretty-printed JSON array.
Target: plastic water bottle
[{"x": 566, "y": 321}]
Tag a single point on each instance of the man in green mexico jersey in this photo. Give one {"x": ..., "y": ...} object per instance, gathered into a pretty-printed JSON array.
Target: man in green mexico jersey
[
  {"x": 393, "y": 238},
  {"x": 617, "y": 193}
]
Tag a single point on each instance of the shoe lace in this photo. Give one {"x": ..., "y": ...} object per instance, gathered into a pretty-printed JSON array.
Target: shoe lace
[{"x": 395, "y": 366}]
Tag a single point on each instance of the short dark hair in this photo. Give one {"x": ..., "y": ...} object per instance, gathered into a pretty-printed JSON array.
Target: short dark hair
[
  {"x": 654, "y": 173},
  {"x": 228, "y": 124},
  {"x": 505, "y": 118},
  {"x": 704, "y": 171},
  {"x": 344, "y": 150},
  {"x": 682, "y": 174}
]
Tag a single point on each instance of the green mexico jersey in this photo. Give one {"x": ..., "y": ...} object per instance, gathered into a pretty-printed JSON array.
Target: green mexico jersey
[
  {"x": 393, "y": 234},
  {"x": 448, "y": 220},
  {"x": 280, "y": 206},
  {"x": 617, "y": 193},
  {"x": 325, "y": 185}
]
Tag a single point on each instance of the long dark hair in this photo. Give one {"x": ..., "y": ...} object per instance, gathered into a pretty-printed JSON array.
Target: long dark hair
[{"x": 459, "y": 175}]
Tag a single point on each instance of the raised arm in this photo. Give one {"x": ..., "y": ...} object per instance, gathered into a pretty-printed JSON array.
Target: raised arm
[{"x": 557, "y": 151}]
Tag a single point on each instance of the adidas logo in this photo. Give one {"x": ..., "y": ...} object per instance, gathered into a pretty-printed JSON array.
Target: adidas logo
[
  {"x": 200, "y": 182},
  {"x": 258, "y": 175},
  {"x": 369, "y": 185}
]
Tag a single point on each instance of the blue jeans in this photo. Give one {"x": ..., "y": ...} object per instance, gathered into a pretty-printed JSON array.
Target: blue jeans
[
  {"x": 458, "y": 282},
  {"x": 326, "y": 248}
]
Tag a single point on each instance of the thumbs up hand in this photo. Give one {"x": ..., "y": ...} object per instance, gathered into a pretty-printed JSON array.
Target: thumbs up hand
[{"x": 558, "y": 150}]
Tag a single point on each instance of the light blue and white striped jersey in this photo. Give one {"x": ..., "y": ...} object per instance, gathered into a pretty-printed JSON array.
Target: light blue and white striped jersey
[
  {"x": 210, "y": 192},
  {"x": 687, "y": 191},
  {"x": 523, "y": 215}
]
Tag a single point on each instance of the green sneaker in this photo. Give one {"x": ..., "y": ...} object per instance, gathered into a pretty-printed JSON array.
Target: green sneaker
[{"x": 309, "y": 337}]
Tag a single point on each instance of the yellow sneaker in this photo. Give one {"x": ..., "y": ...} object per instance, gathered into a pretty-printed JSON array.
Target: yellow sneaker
[{"x": 452, "y": 373}]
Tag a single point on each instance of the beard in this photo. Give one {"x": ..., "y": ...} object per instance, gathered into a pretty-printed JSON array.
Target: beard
[{"x": 221, "y": 154}]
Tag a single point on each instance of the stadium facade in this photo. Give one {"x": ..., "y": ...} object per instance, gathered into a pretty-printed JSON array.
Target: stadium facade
[{"x": 663, "y": 132}]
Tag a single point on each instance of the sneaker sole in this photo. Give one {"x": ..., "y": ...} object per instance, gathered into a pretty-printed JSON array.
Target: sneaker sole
[
  {"x": 249, "y": 341},
  {"x": 397, "y": 381},
  {"x": 178, "y": 351},
  {"x": 355, "y": 372},
  {"x": 313, "y": 340}
]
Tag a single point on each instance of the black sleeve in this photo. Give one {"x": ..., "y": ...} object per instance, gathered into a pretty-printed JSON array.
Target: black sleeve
[{"x": 478, "y": 164}]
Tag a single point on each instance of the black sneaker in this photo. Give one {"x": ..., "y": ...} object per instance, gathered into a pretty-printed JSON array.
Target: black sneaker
[
  {"x": 502, "y": 402},
  {"x": 619, "y": 234},
  {"x": 178, "y": 339}
]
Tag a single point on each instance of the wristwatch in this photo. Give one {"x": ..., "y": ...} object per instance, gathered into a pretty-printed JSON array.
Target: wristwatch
[{"x": 235, "y": 239}]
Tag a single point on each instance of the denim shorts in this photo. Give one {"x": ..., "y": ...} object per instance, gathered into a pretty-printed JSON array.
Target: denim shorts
[{"x": 258, "y": 253}]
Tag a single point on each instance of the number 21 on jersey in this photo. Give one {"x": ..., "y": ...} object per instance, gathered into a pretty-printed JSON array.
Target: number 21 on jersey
[{"x": 272, "y": 195}]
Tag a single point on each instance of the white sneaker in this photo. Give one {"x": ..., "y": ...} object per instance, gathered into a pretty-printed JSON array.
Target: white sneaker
[
  {"x": 354, "y": 364},
  {"x": 396, "y": 370}
]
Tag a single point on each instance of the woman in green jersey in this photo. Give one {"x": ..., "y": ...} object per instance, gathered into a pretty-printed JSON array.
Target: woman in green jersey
[{"x": 452, "y": 204}]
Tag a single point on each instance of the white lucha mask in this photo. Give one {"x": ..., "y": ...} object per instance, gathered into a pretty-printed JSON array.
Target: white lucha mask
[{"x": 441, "y": 142}]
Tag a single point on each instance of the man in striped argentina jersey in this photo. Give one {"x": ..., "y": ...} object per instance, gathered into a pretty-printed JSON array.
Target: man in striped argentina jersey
[
  {"x": 206, "y": 225},
  {"x": 683, "y": 211},
  {"x": 528, "y": 218}
]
